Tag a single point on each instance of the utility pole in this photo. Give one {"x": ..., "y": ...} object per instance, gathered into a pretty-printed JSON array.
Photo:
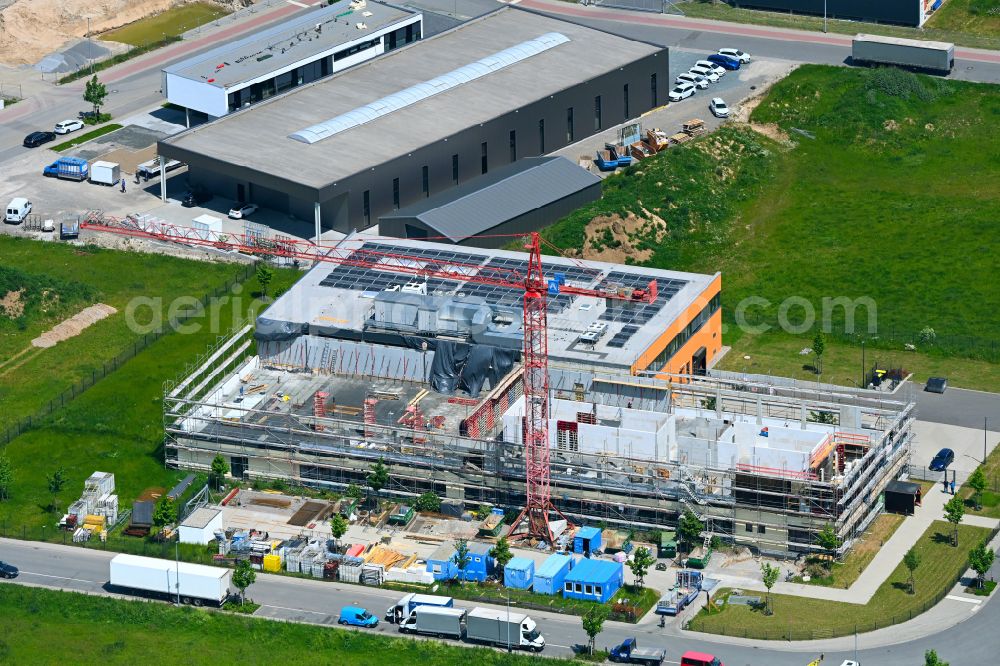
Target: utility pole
[
  {"x": 824, "y": 15},
  {"x": 177, "y": 563},
  {"x": 90, "y": 48},
  {"x": 864, "y": 384},
  {"x": 508, "y": 620}
]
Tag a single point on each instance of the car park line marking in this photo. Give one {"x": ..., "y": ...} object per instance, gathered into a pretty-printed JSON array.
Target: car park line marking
[
  {"x": 297, "y": 4},
  {"x": 968, "y": 601},
  {"x": 294, "y": 610},
  {"x": 78, "y": 580}
]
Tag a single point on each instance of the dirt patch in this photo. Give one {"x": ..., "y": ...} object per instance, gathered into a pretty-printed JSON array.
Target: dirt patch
[
  {"x": 614, "y": 238},
  {"x": 73, "y": 326},
  {"x": 746, "y": 107},
  {"x": 310, "y": 512},
  {"x": 151, "y": 494},
  {"x": 11, "y": 304},
  {"x": 890, "y": 125},
  {"x": 273, "y": 502}
]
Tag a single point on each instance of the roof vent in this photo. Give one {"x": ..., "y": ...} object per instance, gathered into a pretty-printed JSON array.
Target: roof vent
[{"x": 361, "y": 26}]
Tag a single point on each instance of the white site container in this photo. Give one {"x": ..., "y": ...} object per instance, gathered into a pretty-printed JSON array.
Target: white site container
[{"x": 105, "y": 173}]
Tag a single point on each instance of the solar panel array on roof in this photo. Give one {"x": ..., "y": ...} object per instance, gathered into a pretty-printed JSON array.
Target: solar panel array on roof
[
  {"x": 425, "y": 89},
  {"x": 636, "y": 315},
  {"x": 621, "y": 337}
]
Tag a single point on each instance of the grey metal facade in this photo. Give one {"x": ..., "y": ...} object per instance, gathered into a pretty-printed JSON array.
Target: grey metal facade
[
  {"x": 539, "y": 128},
  {"x": 898, "y": 12}
]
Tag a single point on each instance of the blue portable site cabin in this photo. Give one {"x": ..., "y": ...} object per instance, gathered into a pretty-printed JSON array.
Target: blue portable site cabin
[
  {"x": 440, "y": 563},
  {"x": 594, "y": 580},
  {"x": 480, "y": 564},
  {"x": 550, "y": 576},
  {"x": 518, "y": 573},
  {"x": 587, "y": 540}
]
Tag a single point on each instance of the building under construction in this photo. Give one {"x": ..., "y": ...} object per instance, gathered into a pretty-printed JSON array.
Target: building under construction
[{"x": 357, "y": 363}]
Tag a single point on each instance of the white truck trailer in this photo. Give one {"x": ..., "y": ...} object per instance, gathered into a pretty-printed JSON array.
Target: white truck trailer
[
  {"x": 105, "y": 173},
  {"x": 501, "y": 628},
  {"x": 405, "y": 606},
  {"x": 909, "y": 53},
  {"x": 195, "y": 584},
  {"x": 437, "y": 621}
]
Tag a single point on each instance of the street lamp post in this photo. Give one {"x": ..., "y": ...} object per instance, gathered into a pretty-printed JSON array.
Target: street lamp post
[
  {"x": 177, "y": 561},
  {"x": 508, "y": 621},
  {"x": 824, "y": 15},
  {"x": 864, "y": 384}
]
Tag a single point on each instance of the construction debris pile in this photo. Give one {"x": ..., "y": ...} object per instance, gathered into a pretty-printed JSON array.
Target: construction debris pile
[{"x": 96, "y": 511}]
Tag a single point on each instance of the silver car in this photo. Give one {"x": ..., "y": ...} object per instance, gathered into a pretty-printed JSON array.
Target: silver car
[
  {"x": 718, "y": 69},
  {"x": 696, "y": 80},
  {"x": 706, "y": 72}
]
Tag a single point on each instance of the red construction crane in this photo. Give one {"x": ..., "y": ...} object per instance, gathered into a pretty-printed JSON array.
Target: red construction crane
[{"x": 533, "y": 283}]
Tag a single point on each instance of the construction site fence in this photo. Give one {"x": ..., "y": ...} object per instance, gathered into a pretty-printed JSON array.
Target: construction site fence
[
  {"x": 779, "y": 633},
  {"x": 32, "y": 421}
]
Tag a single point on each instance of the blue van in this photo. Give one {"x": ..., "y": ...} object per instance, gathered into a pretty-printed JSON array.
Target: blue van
[
  {"x": 357, "y": 617},
  {"x": 724, "y": 61}
]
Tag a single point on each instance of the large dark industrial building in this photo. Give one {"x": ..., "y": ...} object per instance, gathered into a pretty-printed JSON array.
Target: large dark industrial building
[
  {"x": 387, "y": 133},
  {"x": 896, "y": 12}
]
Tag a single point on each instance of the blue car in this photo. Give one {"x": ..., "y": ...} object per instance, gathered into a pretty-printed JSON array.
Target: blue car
[
  {"x": 941, "y": 461},
  {"x": 724, "y": 61},
  {"x": 357, "y": 617}
]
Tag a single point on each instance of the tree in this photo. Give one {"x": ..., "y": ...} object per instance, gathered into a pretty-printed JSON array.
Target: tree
[
  {"x": 593, "y": 623},
  {"x": 461, "y": 557},
  {"x": 689, "y": 528},
  {"x": 165, "y": 512},
  {"x": 354, "y": 491},
  {"x": 770, "y": 575},
  {"x": 243, "y": 577},
  {"x": 977, "y": 481},
  {"x": 980, "y": 560},
  {"x": 931, "y": 659},
  {"x": 428, "y": 502},
  {"x": 641, "y": 560},
  {"x": 501, "y": 552},
  {"x": 94, "y": 94},
  {"x": 819, "y": 346},
  {"x": 911, "y": 560},
  {"x": 264, "y": 276},
  {"x": 954, "y": 510},
  {"x": 56, "y": 482},
  {"x": 827, "y": 539},
  {"x": 219, "y": 470},
  {"x": 378, "y": 476},
  {"x": 6, "y": 477},
  {"x": 338, "y": 526}
]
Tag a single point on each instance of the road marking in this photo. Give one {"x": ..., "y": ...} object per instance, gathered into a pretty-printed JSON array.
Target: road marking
[
  {"x": 78, "y": 580},
  {"x": 968, "y": 601},
  {"x": 294, "y": 610},
  {"x": 297, "y": 4}
]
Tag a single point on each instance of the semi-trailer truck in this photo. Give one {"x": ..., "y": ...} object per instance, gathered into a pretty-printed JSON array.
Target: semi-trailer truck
[
  {"x": 404, "y": 607},
  {"x": 194, "y": 584},
  {"x": 439, "y": 621},
  {"x": 910, "y": 53},
  {"x": 502, "y": 628}
]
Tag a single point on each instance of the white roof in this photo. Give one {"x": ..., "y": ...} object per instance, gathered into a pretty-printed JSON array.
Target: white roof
[
  {"x": 901, "y": 41},
  {"x": 102, "y": 163},
  {"x": 170, "y": 565},
  {"x": 491, "y": 614},
  {"x": 17, "y": 202}
]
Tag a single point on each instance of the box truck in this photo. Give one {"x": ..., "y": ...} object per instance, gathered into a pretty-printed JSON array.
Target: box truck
[
  {"x": 195, "y": 584},
  {"x": 437, "y": 621},
  {"x": 501, "y": 628},
  {"x": 404, "y": 607},
  {"x": 70, "y": 168},
  {"x": 910, "y": 53},
  {"x": 105, "y": 173}
]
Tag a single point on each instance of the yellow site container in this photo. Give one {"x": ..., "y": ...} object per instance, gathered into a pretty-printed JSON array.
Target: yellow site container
[
  {"x": 272, "y": 563},
  {"x": 94, "y": 520}
]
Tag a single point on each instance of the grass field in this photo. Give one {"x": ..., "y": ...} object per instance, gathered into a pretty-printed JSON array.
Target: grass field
[
  {"x": 972, "y": 17},
  {"x": 30, "y": 377},
  {"x": 843, "y": 574},
  {"x": 172, "y": 22},
  {"x": 98, "y": 630},
  {"x": 798, "y": 618},
  {"x": 958, "y": 26},
  {"x": 115, "y": 426},
  {"x": 84, "y": 138},
  {"x": 991, "y": 496},
  {"x": 889, "y": 206}
]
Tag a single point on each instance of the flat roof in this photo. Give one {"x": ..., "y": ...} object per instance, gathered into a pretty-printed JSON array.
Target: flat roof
[
  {"x": 290, "y": 42},
  {"x": 332, "y": 292},
  {"x": 588, "y": 53},
  {"x": 201, "y": 517},
  {"x": 588, "y": 570},
  {"x": 902, "y": 41}
]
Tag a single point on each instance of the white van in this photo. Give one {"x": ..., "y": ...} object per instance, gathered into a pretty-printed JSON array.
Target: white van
[{"x": 17, "y": 210}]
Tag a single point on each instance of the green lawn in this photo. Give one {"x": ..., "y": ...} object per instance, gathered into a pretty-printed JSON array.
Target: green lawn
[
  {"x": 115, "y": 426},
  {"x": 890, "y": 207},
  {"x": 84, "y": 138},
  {"x": 958, "y": 25},
  {"x": 29, "y": 376},
  {"x": 94, "y": 630},
  {"x": 991, "y": 496},
  {"x": 843, "y": 574},
  {"x": 802, "y": 618},
  {"x": 172, "y": 22}
]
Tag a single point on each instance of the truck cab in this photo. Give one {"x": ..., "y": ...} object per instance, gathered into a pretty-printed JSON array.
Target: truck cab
[
  {"x": 531, "y": 638},
  {"x": 629, "y": 652}
]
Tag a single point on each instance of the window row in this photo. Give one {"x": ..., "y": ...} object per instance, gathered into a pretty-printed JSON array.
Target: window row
[{"x": 681, "y": 338}]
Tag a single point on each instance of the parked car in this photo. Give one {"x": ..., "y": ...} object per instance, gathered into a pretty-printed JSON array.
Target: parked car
[
  {"x": 241, "y": 210},
  {"x": 708, "y": 72},
  {"x": 17, "y": 210},
  {"x": 193, "y": 198},
  {"x": 356, "y": 616},
  {"x": 683, "y": 91},
  {"x": 692, "y": 658},
  {"x": 36, "y": 139},
  {"x": 725, "y": 61},
  {"x": 941, "y": 461},
  {"x": 742, "y": 56},
  {"x": 718, "y": 69},
  {"x": 718, "y": 108},
  {"x": 67, "y": 126},
  {"x": 696, "y": 80},
  {"x": 8, "y": 570},
  {"x": 936, "y": 385}
]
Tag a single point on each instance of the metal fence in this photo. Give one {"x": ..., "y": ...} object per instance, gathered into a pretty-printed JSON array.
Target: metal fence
[{"x": 27, "y": 423}]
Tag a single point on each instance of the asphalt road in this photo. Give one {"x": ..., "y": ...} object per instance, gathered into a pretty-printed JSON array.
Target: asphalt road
[{"x": 973, "y": 642}]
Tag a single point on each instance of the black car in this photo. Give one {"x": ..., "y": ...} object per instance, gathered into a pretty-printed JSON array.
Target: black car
[
  {"x": 193, "y": 198},
  {"x": 936, "y": 385},
  {"x": 36, "y": 139},
  {"x": 8, "y": 570},
  {"x": 941, "y": 461}
]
